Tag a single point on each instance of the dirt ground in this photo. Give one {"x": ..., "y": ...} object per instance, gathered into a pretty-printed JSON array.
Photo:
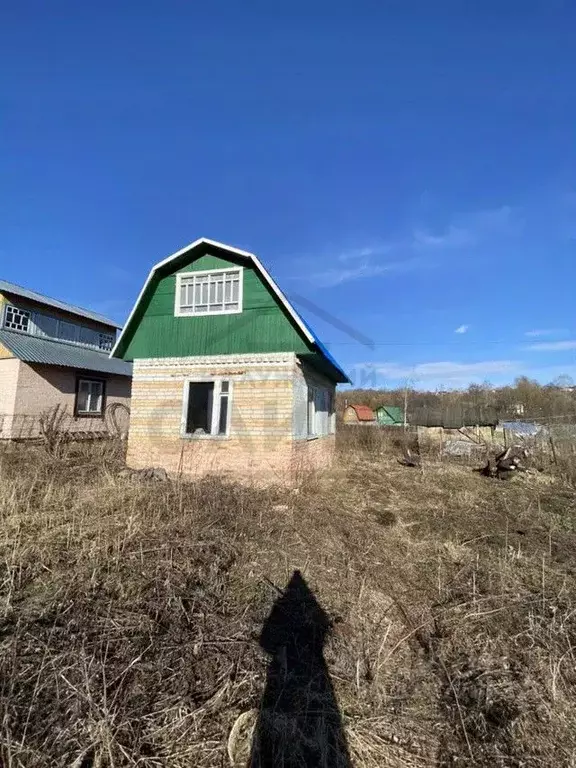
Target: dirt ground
[{"x": 132, "y": 613}]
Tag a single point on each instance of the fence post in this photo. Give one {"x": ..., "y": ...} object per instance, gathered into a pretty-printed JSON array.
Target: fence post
[{"x": 554, "y": 456}]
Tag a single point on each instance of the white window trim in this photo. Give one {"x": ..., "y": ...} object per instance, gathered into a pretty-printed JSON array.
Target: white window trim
[
  {"x": 101, "y": 397},
  {"x": 312, "y": 413},
  {"x": 217, "y": 381},
  {"x": 203, "y": 273},
  {"x": 27, "y": 313}
]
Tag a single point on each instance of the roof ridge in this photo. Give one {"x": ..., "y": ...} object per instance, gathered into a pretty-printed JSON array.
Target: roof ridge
[{"x": 43, "y": 298}]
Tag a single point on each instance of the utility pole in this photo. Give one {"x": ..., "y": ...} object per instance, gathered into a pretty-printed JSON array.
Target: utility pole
[
  {"x": 406, "y": 406},
  {"x": 409, "y": 380}
]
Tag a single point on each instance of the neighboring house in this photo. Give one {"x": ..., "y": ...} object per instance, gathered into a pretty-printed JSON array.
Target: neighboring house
[
  {"x": 227, "y": 377},
  {"x": 390, "y": 416},
  {"x": 52, "y": 353},
  {"x": 358, "y": 414}
]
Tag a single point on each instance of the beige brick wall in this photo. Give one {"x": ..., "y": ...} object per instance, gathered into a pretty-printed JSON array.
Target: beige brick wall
[
  {"x": 41, "y": 387},
  {"x": 260, "y": 445},
  {"x": 9, "y": 369}
]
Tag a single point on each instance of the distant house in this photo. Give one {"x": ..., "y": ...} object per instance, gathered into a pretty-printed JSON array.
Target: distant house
[
  {"x": 227, "y": 376},
  {"x": 55, "y": 354},
  {"x": 359, "y": 414},
  {"x": 390, "y": 415}
]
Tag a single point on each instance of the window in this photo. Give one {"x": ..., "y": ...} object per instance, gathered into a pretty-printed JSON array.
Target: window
[
  {"x": 16, "y": 319},
  {"x": 46, "y": 325},
  {"x": 88, "y": 336},
  {"x": 106, "y": 341},
  {"x": 206, "y": 409},
  {"x": 68, "y": 331},
  {"x": 209, "y": 293},
  {"x": 320, "y": 416},
  {"x": 89, "y": 397}
]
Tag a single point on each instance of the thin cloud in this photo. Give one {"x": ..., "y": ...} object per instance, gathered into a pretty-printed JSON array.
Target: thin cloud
[
  {"x": 539, "y": 332},
  {"x": 552, "y": 346},
  {"x": 462, "y": 329},
  {"x": 365, "y": 252},
  {"x": 445, "y": 372},
  {"x": 336, "y": 276},
  {"x": 453, "y": 237},
  {"x": 415, "y": 249}
]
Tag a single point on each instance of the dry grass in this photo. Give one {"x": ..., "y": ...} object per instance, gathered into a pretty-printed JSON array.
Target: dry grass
[{"x": 129, "y": 613}]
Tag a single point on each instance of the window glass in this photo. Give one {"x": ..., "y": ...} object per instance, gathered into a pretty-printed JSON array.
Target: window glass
[{"x": 209, "y": 294}]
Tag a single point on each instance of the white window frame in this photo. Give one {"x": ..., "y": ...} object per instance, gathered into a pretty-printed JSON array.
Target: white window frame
[
  {"x": 101, "y": 397},
  {"x": 216, "y": 402},
  {"x": 203, "y": 273},
  {"x": 27, "y": 313},
  {"x": 105, "y": 341},
  {"x": 312, "y": 412}
]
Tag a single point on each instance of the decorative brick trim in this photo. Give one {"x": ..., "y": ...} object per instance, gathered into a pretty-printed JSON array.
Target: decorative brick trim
[{"x": 196, "y": 361}]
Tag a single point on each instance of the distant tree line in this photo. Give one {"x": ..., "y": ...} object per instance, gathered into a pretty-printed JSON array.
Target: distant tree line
[{"x": 524, "y": 400}]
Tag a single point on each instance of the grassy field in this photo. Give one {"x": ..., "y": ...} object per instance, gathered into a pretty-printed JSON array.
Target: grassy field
[{"x": 130, "y": 612}]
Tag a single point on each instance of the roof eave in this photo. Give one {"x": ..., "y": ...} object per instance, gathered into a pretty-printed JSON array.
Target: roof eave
[{"x": 61, "y": 306}]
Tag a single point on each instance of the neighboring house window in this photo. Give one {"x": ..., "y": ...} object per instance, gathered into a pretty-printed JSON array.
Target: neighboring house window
[
  {"x": 89, "y": 337},
  {"x": 89, "y": 397},
  {"x": 209, "y": 293},
  {"x": 68, "y": 331},
  {"x": 106, "y": 341},
  {"x": 320, "y": 421},
  {"x": 46, "y": 325},
  {"x": 206, "y": 408},
  {"x": 16, "y": 319}
]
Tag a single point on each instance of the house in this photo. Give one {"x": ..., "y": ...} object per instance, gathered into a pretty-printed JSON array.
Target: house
[
  {"x": 228, "y": 378},
  {"x": 358, "y": 414},
  {"x": 390, "y": 416},
  {"x": 55, "y": 354}
]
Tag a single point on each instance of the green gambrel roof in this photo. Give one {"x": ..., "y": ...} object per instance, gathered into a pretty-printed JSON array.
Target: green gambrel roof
[
  {"x": 31, "y": 349},
  {"x": 309, "y": 347}
]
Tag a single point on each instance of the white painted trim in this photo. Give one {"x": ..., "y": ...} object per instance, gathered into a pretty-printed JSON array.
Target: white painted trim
[
  {"x": 258, "y": 359},
  {"x": 237, "y": 252},
  {"x": 202, "y": 273},
  {"x": 216, "y": 398},
  {"x": 91, "y": 382}
]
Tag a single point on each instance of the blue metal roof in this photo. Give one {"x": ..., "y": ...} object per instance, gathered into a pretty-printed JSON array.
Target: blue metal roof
[
  {"x": 32, "y": 349},
  {"x": 324, "y": 351},
  {"x": 17, "y": 290}
]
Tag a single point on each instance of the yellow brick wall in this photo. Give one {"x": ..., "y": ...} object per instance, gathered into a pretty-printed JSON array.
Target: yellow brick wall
[
  {"x": 5, "y": 352},
  {"x": 9, "y": 369},
  {"x": 260, "y": 445}
]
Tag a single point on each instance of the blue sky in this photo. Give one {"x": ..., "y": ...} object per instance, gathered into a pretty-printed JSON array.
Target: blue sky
[{"x": 408, "y": 167}]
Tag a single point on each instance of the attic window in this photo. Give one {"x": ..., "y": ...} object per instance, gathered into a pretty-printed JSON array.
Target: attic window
[
  {"x": 217, "y": 292},
  {"x": 16, "y": 319}
]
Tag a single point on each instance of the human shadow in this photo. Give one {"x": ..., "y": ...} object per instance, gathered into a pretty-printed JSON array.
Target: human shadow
[{"x": 299, "y": 723}]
